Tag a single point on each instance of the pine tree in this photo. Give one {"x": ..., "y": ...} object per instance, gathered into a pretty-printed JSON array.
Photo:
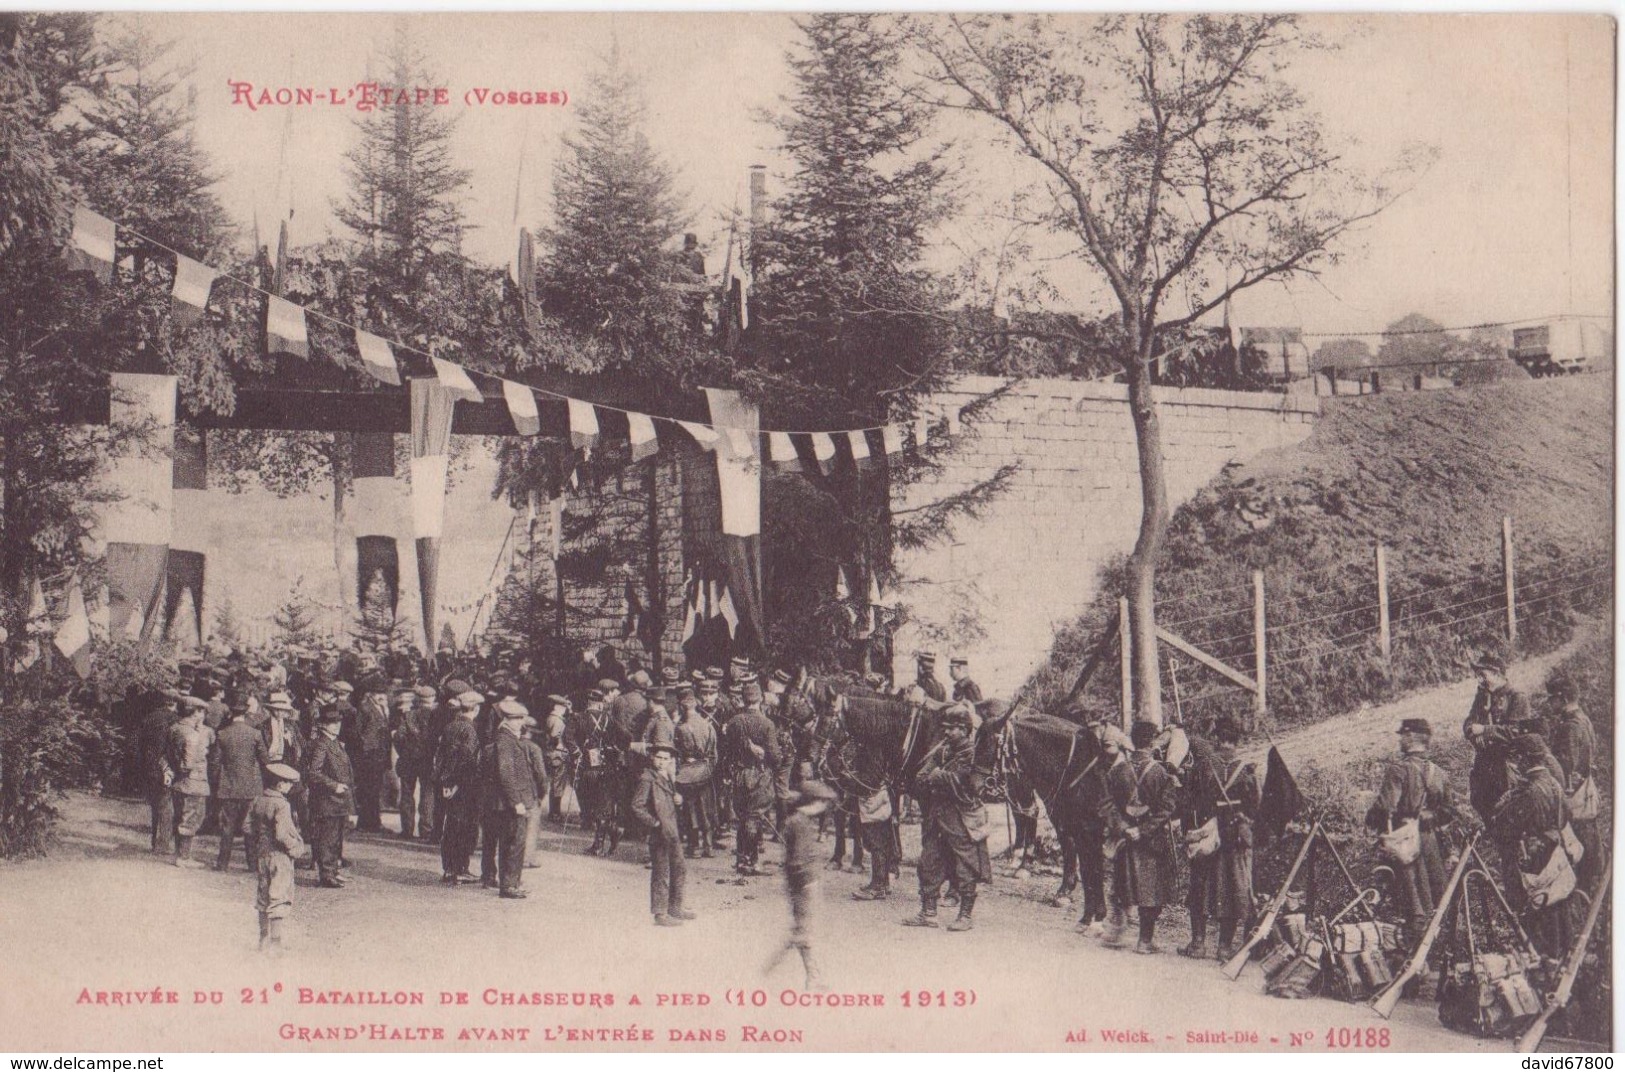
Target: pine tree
[
  {"x": 607, "y": 272},
  {"x": 849, "y": 322},
  {"x": 381, "y": 627},
  {"x": 405, "y": 197},
  {"x": 842, "y": 300},
  {"x": 295, "y": 619},
  {"x": 227, "y": 630}
]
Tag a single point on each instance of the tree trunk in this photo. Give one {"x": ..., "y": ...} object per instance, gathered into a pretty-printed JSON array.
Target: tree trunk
[{"x": 1142, "y": 564}]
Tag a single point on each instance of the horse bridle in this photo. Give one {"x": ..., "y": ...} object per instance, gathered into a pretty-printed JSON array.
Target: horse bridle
[{"x": 1009, "y": 761}]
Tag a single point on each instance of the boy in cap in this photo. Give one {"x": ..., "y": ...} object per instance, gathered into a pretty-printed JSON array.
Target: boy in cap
[
  {"x": 274, "y": 843},
  {"x": 801, "y": 875},
  {"x": 654, "y": 804}
]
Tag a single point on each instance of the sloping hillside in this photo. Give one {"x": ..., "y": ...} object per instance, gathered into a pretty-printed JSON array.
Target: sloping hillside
[{"x": 1430, "y": 475}]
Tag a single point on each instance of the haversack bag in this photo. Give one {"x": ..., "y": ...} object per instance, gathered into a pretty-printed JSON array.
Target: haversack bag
[
  {"x": 1402, "y": 844},
  {"x": 1553, "y": 883},
  {"x": 1585, "y": 803},
  {"x": 1203, "y": 841}
]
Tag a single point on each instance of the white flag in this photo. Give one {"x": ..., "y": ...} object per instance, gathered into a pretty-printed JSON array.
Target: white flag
[
  {"x": 454, "y": 378},
  {"x": 379, "y": 357}
]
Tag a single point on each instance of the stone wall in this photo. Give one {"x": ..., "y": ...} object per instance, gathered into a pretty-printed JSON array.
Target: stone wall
[{"x": 998, "y": 588}]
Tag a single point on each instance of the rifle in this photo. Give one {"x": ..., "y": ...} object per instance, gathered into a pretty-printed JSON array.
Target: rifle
[
  {"x": 1238, "y": 963},
  {"x": 1384, "y": 1002},
  {"x": 1529, "y": 1042}
]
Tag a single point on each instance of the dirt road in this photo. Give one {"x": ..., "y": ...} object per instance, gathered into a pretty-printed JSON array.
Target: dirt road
[{"x": 102, "y": 916}]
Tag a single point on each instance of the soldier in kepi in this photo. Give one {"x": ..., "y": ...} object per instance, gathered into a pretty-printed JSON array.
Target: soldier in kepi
[
  {"x": 1574, "y": 744},
  {"x": 1530, "y": 821},
  {"x": 1137, "y": 815},
  {"x": 275, "y": 842},
  {"x": 190, "y": 742},
  {"x": 925, "y": 676},
  {"x": 1224, "y": 792},
  {"x": 1498, "y": 721},
  {"x": 751, "y": 747},
  {"x": 953, "y": 830},
  {"x": 965, "y": 689},
  {"x": 1414, "y": 788}
]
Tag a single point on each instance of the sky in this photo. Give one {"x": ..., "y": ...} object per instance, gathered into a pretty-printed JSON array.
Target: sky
[{"x": 1513, "y": 221}]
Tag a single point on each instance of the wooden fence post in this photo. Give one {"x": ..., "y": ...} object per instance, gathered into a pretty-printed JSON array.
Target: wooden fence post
[
  {"x": 1384, "y": 638},
  {"x": 1507, "y": 573},
  {"x": 1125, "y": 644},
  {"x": 1260, "y": 699}
]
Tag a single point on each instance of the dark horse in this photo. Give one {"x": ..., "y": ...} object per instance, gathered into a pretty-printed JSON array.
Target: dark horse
[
  {"x": 1065, "y": 764},
  {"x": 834, "y": 759}
]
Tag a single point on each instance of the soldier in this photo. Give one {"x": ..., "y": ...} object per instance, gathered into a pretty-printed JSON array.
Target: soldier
[
  {"x": 510, "y": 796},
  {"x": 283, "y": 744},
  {"x": 629, "y": 711},
  {"x": 1496, "y": 706},
  {"x": 1414, "y": 787},
  {"x": 331, "y": 793},
  {"x": 1529, "y": 820},
  {"x": 709, "y": 694},
  {"x": 654, "y": 804},
  {"x": 1223, "y": 790},
  {"x": 536, "y": 758},
  {"x": 456, "y": 772},
  {"x": 750, "y": 746},
  {"x": 368, "y": 746},
  {"x": 953, "y": 828},
  {"x": 275, "y": 843},
  {"x": 1137, "y": 814},
  {"x": 1574, "y": 744},
  {"x": 189, "y": 748},
  {"x": 801, "y": 876},
  {"x": 696, "y": 743},
  {"x": 157, "y": 775},
  {"x": 925, "y": 676},
  {"x": 556, "y": 750},
  {"x": 965, "y": 689},
  {"x": 239, "y": 754},
  {"x": 783, "y": 771}
]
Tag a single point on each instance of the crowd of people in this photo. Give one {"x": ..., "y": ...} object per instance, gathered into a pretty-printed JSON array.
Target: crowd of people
[{"x": 281, "y": 748}]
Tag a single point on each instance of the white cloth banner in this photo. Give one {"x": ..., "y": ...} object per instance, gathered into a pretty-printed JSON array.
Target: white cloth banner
[
  {"x": 642, "y": 432},
  {"x": 739, "y": 477},
  {"x": 144, "y": 406},
  {"x": 193, "y": 281},
  {"x": 522, "y": 407},
  {"x": 429, "y": 495},
  {"x": 378, "y": 505},
  {"x": 859, "y": 441},
  {"x": 893, "y": 438},
  {"x": 824, "y": 450},
  {"x": 285, "y": 328}
]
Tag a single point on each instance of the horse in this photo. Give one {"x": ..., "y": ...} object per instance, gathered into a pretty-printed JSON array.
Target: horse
[
  {"x": 831, "y": 753},
  {"x": 1065, "y": 764}
]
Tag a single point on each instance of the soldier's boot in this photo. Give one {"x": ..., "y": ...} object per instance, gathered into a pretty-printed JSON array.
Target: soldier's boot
[
  {"x": 407, "y": 828},
  {"x": 879, "y": 887},
  {"x": 1198, "y": 947},
  {"x": 967, "y": 905},
  {"x": 1227, "y": 939},
  {"x": 1147, "y": 944},
  {"x": 183, "y": 853},
  {"x": 926, "y": 917},
  {"x": 273, "y": 936},
  {"x": 265, "y": 933},
  {"x": 1116, "y": 926}
]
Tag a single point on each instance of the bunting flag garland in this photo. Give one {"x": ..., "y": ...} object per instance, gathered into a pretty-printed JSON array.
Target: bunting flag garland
[
  {"x": 193, "y": 281},
  {"x": 139, "y": 525},
  {"x": 642, "y": 429},
  {"x": 185, "y": 574},
  {"x": 583, "y": 424},
  {"x": 378, "y": 357},
  {"x": 893, "y": 438},
  {"x": 859, "y": 442},
  {"x": 823, "y": 451},
  {"x": 703, "y": 434},
  {"x": 522, "y": 407},
  {"x": 454, "y": 379},
  {"x": 285, "y": 329},
  {"x": 432, "y": 406},
  {"x": 73, "y": 635},
  {"x": 91, "y": 247},
  {"x": 377, "y": 519},
  {"x": 782, "y": 452},
  {"x": 725, "y": 606}
]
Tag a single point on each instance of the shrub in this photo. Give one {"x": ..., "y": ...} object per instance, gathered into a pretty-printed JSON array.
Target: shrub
[{"x": 46, "y": 748}]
